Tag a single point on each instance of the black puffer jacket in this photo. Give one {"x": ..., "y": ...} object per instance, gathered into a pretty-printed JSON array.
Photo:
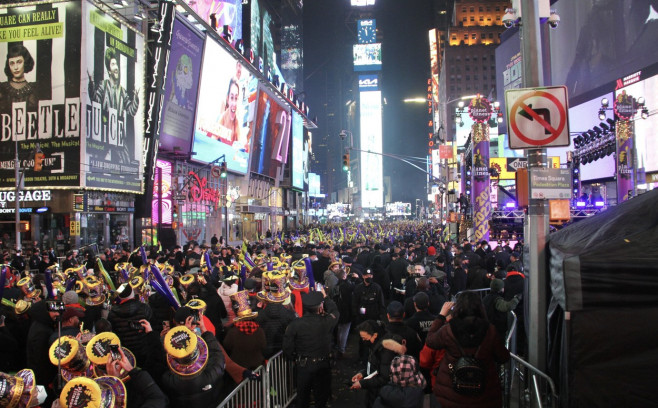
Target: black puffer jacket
[
  {"x": 37, "y": 343},
  {"x": 121, "y": 315},
  {"x": 202, "y": 390},
  {"x": 273, "y": 320}
]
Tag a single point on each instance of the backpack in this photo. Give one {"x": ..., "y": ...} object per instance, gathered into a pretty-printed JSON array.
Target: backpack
[{"x": 467, "y": 374}]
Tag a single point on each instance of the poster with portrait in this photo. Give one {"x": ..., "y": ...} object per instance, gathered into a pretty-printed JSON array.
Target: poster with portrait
[
  {"x": 225, "y": 110},
  {"x": 180, "y": 91},
  {"x": 40, "y": 93},
  {"x": 113, "y": 96},
  {"x": 271, "y": 137}
]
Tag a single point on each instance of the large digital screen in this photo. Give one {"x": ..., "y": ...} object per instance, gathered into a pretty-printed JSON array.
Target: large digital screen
[
  {"x": 180, "y": 91},
  {"x": 314, "y": 189},
  {"x": 255, "y": 29},
  {"x": 398, "y": 209},
  {"x": 602, "y": 40},
  {"x": 367, "y": 57},
  {"x": 292, "y": 54},
  {"x": 366, "y": 32},
  {"x": 271, "y": 136},
  {"x": 372, "y": 186},
  {"x": 268, "y": 42},
  {"x": 298, "y": 150},
  {"x": 508, "y": 57},
  {"x": 227, "y": 12},
  {"x": 40, "y": 97},
  {"x": 225, "y": 110},
  {"x": 646, "y": 140},
  {"x": 114, "y": 85}
]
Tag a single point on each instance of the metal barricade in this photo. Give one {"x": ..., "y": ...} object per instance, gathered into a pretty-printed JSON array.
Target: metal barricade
[
  {"x": 483, "y": 292},
  {"x": 248, "y": 394},
  {"x": 280, "y": 381}
]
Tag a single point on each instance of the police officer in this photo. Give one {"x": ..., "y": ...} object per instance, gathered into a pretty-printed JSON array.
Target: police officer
[
  {"x": 308, "y": 341},
  {"x": 367, "y": 304}
]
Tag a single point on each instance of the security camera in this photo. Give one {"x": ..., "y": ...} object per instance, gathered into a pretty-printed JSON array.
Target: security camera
[
  {"x": 343, "y": 135},
  {"x": 553, "y": 19},
  {"x": 509, "y": 19}
]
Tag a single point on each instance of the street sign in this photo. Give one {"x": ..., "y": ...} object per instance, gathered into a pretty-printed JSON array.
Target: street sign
[
  {"x": 550, "y": 183},
  {"x": 537, "y": 117},
  {"x": 179, "y": 197}
]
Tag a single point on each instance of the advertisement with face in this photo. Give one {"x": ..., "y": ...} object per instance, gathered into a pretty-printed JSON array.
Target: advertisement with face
[
  {"x": 162, "y": 202},
  {"x": 225, "y": 109},
  {"x": 113, "y": 88},
  {"x": 298, "y": 150},
  {"x": 181, "y": 89},
  {"x": 40, "y": 93},
  {"x": 271, "y": 137}
]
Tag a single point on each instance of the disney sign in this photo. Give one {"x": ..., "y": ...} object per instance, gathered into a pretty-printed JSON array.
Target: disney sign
[{"x": 200, "y": 191}]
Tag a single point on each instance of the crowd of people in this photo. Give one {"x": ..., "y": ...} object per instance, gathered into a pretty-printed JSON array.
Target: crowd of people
[{"x": 183, "y": 326}]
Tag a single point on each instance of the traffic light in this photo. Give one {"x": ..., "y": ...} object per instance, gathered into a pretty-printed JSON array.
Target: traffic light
[
  {"x": 222, "y": 170},
  {"x": 346, "y": 162},
  {"x": 38, "y": 161}
]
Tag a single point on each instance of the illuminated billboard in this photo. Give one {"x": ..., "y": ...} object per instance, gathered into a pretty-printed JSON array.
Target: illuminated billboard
[
  {"x": 44, "y": 92},
  {"x": 434, "y": 66},
  {"x": 368, "y": 83},
  {"x": 646, "y": 141},
  {"x": 292, "y": 54},
  {"x": 361, "y": 3},
  {"x": 398, "y": 209},
  {"x": 367, "y": 57},
  {"x": 372, "y": 188},
  {"x": 314, "y": 189},
  {"x": 271, "y": 136},
  {"x": 298, "y": 150},
  {"x": 366, "y": 31},
  {"x": 225, "y": 109},
  {"x": 113, "y": 79},
  {"x": 162, "y": 202},
  {"x": 227, "y": 12},
  {"x": 180, "y": 91}
]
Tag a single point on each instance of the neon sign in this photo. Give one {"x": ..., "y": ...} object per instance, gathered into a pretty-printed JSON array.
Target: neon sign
[{"x": 199, "y": 191}]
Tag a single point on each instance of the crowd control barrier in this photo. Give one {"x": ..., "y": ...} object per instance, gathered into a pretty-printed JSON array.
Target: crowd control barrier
[
  {"x": 277, "y": 387},
  {"x": 280, "y": 381},
  {"x": 248, "y": 394}
]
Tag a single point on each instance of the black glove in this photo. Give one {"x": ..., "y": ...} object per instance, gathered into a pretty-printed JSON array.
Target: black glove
[
  {"x": 250, "y": 375},
  {"x": 519, "y": 296}
]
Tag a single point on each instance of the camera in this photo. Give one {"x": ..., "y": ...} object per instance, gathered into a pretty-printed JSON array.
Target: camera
[
  {"x": 343, "y": 134},
  {"x": 135, "y": 325},
  {"x": 553, "y": 19},
  {"x": 509, "y": 19},
  {"x": 55, "y": 306}
]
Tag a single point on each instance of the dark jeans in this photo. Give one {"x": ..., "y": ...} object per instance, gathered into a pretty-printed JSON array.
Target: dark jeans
[{"x": 316, "y": 377}]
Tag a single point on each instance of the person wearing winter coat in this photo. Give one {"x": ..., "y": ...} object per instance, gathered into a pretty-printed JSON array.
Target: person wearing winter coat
[
  {"x": 405, "y": 389},
  {"x": 468, "y": 332}
]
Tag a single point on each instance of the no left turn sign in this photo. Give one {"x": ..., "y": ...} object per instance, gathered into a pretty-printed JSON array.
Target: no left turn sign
[{"x": 537, "y": 117}]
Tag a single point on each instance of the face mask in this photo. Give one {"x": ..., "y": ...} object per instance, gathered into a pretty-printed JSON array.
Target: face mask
[{"x": 368, "y": 280}]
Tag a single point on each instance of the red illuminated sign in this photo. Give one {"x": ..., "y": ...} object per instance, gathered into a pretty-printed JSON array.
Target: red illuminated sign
[{"x": 199, "y": 191}]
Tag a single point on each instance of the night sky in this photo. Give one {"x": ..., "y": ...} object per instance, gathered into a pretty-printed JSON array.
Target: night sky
[{"x": 403, "y": 26}]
